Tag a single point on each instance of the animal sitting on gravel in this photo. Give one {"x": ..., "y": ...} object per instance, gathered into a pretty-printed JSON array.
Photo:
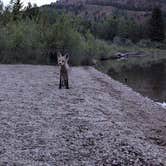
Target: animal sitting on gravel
[{"x": 64, "y": 67}]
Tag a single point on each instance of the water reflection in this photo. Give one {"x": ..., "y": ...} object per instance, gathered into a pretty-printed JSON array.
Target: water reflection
[{"x": 149, "y": 81}]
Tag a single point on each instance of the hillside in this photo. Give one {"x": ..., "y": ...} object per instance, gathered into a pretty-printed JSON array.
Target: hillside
[
  {"x": 98, "y": 121},
  {"x": 137, "y": 9},
  {"x": 140, "y": 5}
]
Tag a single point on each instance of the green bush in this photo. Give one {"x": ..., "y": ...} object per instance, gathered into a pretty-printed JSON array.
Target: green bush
[{"x": 28, "y": 36}]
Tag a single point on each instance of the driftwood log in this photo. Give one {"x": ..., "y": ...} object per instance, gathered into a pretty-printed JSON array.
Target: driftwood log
[{"x": 120, "y": 55}]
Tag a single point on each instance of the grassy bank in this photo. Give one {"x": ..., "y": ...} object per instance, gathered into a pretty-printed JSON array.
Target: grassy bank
[{"x": 149, "y": 56}]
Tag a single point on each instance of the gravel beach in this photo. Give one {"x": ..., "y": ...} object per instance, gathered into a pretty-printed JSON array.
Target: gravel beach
[{"x": 97, "y": 122}]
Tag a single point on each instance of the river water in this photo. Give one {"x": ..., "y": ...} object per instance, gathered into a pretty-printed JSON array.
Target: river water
[{"x": 149, "y": 81}]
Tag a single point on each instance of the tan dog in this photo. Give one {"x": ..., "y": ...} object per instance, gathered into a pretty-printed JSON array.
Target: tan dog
[{"x": 64, "y": 67}]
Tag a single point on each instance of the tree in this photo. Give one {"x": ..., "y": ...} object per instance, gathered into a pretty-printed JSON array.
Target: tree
[
  {"x": 35, "y": 5},
  {"x": 129, "y": 29},
  {"x": 31, "y": 11},
  {"x": 108, "y": 29},
  {"x": 1, "y": 7},
  {"x": 17, "y": 6},
  {"x": 29, "y": 6},
  {"x": 156, "y": 27}
]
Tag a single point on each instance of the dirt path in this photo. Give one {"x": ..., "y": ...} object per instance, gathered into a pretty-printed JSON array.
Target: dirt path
[{"x": 97, "y": 122}]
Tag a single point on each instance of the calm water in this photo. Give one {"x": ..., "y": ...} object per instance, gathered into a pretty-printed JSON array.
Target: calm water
[{"x": 149, "y": 81}]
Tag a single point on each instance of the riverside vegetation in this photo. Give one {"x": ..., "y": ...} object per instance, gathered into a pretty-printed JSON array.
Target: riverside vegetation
[{"x": 33, "y": 34}]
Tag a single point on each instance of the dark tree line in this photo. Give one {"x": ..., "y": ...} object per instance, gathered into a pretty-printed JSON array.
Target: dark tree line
[
  {"x": 156, "y": 26},
  {"x": 126, "y": 27}
]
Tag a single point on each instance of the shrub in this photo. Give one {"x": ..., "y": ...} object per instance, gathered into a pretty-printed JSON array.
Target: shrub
[
  {"x": 118, "y": 41},
  {"x": 144, "y": 43}
]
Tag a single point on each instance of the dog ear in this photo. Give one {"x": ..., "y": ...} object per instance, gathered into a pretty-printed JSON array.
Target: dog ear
[
  {"x": 59, "y": 55},
  {"x": 67, "y": 56}
]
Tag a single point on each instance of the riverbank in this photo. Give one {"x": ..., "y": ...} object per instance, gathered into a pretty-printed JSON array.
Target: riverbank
[
  {"x": 98, "y": 121},
  {"x": 137, "y": 57},
  {"x": 143, "y": 70}
]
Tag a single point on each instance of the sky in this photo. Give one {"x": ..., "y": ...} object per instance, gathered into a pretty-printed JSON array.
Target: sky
[{"x": 38, "y": 2}]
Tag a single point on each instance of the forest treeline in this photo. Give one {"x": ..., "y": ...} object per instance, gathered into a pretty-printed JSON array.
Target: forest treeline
[{"x": 33, "y": 35}]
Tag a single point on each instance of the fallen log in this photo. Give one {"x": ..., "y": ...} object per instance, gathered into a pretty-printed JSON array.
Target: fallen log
[{"x": 120, "y": 55}]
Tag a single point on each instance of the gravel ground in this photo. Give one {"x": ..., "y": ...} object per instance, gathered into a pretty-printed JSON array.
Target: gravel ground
[{"x": 97, "y": 122}]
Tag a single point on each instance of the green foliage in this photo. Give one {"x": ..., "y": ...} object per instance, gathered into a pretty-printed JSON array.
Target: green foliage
[
  {"x": 29, "y": 35},
  {"x": 123, "y": 27},
  {"x": 106, "y": 30},
  {"x": 128, "y": 28},
  {"x": 16, "y": 8},
  {"x": 156, "y": 27},
  {"x": 27, "y": 40},
  {"x": 1, "y": 7}
]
